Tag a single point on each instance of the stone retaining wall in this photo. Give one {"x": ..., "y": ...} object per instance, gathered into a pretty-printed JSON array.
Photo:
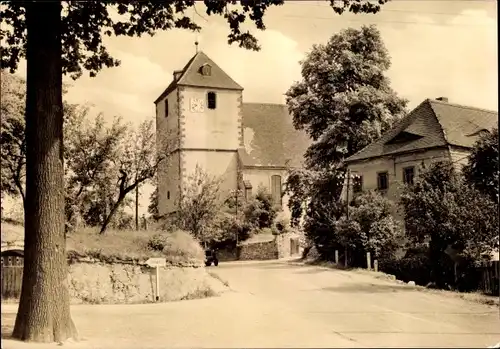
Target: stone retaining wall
[
  {"x": 102, "y": 283},
  {"x": 258, "y": 251}
]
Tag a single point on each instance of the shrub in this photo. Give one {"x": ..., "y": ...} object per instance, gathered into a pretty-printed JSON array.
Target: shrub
[
  {"x": 178, "y": 247},
  {"x": 369, "y": 228},
  {"x": 260, "y": 211},
  {"x": 177, "y": 243},
  {"x": 282, "y": 225},
  {"x": 415, "y": 268},
  {"x": 444, "y": 210}
]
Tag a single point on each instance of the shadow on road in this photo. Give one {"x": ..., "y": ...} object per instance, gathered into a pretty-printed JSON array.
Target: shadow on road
[{"x": 369, "y": 288}]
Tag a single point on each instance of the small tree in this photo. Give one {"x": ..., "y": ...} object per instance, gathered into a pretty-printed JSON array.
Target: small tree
[
  {"x": 91, "y": 150},
  {"x": 441, "y": 209},
  {"x": 153, "y": 205},
  {"x": 482, "y": 168},
  {"x": 370, "y": 227},
  {"x": 138, "y": 162},
  {"x": 199, "y": 206},
  {"x": 260, "y": 211}
]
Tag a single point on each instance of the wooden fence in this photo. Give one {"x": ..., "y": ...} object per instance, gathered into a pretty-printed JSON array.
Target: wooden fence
[
  {"x": 12, "y": 274},
  {"x": 12, "y": 280},
  {"x": 490, "y": 278}
]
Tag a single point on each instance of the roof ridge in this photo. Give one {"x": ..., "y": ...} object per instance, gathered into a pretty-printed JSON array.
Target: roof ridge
[
  {"x": 443, "y": 131},
  {"x": 462, "y": 106},
  {"x": 398, "y": 124}
]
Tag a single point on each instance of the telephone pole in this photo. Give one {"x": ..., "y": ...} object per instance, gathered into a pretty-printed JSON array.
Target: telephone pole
[
  {"x": 137, "y": 207},
  {"x": 348, "y": 173}
]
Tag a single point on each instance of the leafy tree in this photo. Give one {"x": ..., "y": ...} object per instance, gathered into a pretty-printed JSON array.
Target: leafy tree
[
  {"x": 12, "y": 142},
  {"x": 199, "y": 206},
  {"x": 260, "y": 211},
  {"x": 298, "y": 185},
  {"x": 66, "y": 37},
  {"x": 90, "y": 152},
  {"x": 441, "y": 209},
  {"x": 344, "y": 102},
  {"x": 482, "y": 168},
  {"x": 138, "y": 162},
  {"x": 369, "y": 227}
]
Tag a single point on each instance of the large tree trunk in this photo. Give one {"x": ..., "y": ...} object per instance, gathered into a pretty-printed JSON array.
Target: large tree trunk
[{"x": 44, "y": 312}]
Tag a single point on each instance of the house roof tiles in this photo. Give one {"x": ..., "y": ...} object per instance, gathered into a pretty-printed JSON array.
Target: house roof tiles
[{"x": 433, "y": 123}]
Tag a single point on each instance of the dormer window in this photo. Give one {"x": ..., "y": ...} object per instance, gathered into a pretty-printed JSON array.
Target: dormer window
[
  {"x": 211, "y": 100},
  {"x": 206, "y": 70}
]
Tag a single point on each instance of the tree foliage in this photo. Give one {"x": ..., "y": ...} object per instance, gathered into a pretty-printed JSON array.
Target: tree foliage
[
  {"x": 83, "y": 47},
  {"x": 344, "y": 100},
  {"x": 199, "y": 206},
  {"x": 260, "y": 211},
  {"x": 12, "y": 142},
  {"x": 482, "y": 168},
  {"x": 441, "y": 209},
  {"x": 370, "y": 226},
  {"x": 153, "y": 205}
]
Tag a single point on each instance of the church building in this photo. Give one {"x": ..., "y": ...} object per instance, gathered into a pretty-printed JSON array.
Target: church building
[{"x": 247, "y": 145}]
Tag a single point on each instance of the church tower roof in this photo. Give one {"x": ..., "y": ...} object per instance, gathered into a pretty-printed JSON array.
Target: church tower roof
[{"x": 201, "y": 71}]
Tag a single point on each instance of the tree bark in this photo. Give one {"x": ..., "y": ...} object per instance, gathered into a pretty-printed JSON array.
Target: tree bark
[{"x": 44, "y": 311}]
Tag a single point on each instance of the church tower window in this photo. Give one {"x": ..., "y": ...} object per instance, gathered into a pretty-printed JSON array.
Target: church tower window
[
  {"x": 211, "y": 100},
  {"x": 206, "y": 70}
]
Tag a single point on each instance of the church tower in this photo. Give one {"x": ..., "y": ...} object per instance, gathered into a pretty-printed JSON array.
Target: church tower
[{"x": 199, "y": 117}]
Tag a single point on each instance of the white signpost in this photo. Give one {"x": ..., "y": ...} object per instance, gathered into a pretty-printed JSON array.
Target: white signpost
[{"x": 157, "y": 263}]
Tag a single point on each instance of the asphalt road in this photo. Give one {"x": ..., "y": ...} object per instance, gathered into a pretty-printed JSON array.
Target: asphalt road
[{"x": 279, "y": 304}]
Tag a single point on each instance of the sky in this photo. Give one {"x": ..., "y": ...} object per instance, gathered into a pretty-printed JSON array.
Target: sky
[{"x": 438, "y": 48}]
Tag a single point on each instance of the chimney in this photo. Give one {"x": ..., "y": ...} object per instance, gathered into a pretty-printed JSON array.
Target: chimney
[
  {"x": 442, "y": 99},
  {"x": 177, "y": 74}
]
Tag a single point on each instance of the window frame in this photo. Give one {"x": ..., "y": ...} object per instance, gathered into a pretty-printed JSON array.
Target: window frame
[
  {"x": 211, "y": 93},
  {"x": 379, "y": 175},
  {"x": 412, "y": 168}
]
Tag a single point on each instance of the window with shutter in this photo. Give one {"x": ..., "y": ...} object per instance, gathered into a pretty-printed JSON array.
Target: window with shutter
[{"x": 276, "y": 189}]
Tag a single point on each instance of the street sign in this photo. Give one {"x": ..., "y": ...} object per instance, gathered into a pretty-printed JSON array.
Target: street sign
[{"x": 156, "y": 262}]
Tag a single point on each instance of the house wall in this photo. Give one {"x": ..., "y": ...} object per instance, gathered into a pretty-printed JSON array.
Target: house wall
[
  {"x": 459, "y": 156},
  {"x": 262, "y": 177},
  {"x": 167, "y": 138},
  {"x": 394, "y": 166}
]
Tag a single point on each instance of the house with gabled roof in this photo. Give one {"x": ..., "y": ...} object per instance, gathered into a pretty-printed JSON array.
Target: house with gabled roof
[
  {"x": 435, "y": 130},
  {"x": 247, "y": 145}
]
